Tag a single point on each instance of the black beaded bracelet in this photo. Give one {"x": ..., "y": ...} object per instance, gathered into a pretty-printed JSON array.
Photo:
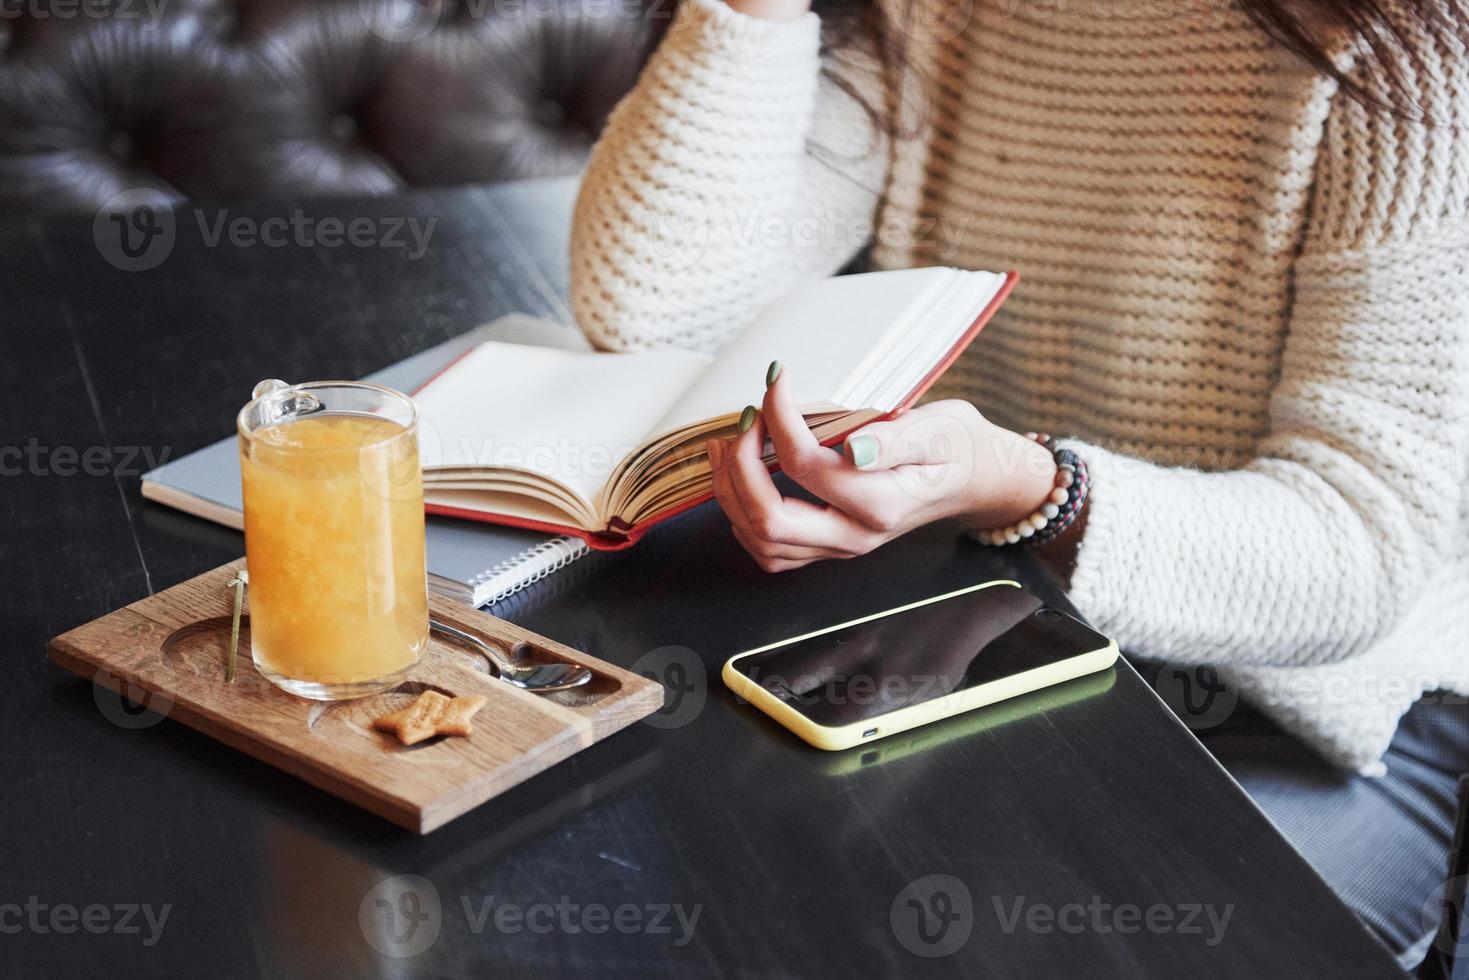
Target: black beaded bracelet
[{"x": 1068, "y": 497}]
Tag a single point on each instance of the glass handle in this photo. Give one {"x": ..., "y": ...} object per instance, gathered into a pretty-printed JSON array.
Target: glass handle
[{"x": 302, "y": 403}]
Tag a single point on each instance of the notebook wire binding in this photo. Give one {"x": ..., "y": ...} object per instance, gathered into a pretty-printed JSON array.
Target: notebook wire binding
[{"x": 526, "y": 568}]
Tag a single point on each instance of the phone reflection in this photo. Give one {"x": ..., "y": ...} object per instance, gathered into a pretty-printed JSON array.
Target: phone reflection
[{"x": 912, "y": 743}]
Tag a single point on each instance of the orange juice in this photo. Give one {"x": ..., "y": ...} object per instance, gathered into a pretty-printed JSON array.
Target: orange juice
[{"x": 334, "y": 538}]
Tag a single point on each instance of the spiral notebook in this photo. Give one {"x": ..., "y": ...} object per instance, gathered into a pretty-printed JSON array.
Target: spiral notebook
[{"x": 468, "y": 561}]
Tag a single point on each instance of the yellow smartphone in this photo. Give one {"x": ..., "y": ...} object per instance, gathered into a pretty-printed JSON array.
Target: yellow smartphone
[{"x": 896, "y": 670}]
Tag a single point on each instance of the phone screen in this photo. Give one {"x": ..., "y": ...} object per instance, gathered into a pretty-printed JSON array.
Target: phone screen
[{"x": 868, "y": 670}]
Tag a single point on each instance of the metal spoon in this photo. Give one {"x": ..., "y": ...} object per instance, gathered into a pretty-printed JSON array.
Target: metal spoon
[{"x": 541, "y": 678}]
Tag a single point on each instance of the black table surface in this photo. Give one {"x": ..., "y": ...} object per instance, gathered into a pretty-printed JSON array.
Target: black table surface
[{"x": 1085, "y": 832}]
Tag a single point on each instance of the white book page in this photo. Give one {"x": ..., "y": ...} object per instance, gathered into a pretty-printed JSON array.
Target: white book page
[
  {"x": 826, "y": 333},
  {"x": 567, "y": 415},
  {"x": 913, "y": 356}
]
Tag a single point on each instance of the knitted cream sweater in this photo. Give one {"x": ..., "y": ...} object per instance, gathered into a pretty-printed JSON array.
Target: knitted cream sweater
[{"x": 1243, "y": 295}]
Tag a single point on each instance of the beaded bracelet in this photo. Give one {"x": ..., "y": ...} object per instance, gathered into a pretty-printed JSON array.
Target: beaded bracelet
[{"x": 1059, "y": 511}]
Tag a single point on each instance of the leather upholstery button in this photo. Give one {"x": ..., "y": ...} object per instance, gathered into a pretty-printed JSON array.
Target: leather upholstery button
[
  {"x": 549, "y": 112},
  {"x": 121, "y": 145},
  {"x": 343, "y": 127}
]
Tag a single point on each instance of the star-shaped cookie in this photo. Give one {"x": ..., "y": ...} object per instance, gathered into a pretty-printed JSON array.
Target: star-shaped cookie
[{"x": 431, "y": 714}]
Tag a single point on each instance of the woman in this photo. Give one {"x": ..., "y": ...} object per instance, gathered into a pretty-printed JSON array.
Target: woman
[{"x": 1245, "y": 307}]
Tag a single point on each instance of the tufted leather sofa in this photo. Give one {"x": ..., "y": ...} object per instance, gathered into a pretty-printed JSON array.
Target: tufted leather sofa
[{"x": 235, "y": 98}]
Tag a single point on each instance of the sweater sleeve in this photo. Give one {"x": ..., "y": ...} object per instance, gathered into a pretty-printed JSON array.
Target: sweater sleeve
[
  {"x": 733, "y": 169},
  {"x": 1316, "y": 548}
]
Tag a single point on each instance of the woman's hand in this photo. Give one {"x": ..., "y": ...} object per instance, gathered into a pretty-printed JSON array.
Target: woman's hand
[{"x": 940, "y": 460}]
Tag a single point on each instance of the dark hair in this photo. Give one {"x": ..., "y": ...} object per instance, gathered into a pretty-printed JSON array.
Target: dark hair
[
  {"x": 1302, "y": 27},
  {"x": 1299, "y": 28}
]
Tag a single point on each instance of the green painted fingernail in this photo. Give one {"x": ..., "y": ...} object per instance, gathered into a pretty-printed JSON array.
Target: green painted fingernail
[
  {"x": 862, "y": 451},
  {"x": 771, "y": 373},
  {"x": 747, "y": 418}
]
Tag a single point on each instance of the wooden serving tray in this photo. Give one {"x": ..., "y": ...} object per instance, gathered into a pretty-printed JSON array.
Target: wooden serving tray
[{"x": 173, "y": 646}]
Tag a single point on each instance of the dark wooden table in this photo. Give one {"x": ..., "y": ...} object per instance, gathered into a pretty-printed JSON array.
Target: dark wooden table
[{"x": 1092, "y": 838}]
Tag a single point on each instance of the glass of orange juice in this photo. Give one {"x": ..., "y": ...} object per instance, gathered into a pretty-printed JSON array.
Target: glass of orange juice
[{"x": 334, "y": 537}]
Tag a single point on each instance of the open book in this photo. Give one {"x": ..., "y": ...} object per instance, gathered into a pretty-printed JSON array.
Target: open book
[{"x": 605, "y": 445}]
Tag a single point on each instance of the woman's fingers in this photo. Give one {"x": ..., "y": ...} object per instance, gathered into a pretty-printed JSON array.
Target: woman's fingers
[
  {"x": 720, "y": 455},
  {"x": 719, "y": 451},
  {"x": 745, "y": 461},
  {"x": 897, "y": 475},
  {"x": 770, "y": 551},
  {"x": 872, "y": 501},
  {"x": 771, "y": 556},
  {"x": 891, "y": 472},
  {"x": 787, "y": 520},
  {"x": 802, "y": 458},
  {"x": 802, "y": 524},
  {"x": 775, "y": 528}
]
